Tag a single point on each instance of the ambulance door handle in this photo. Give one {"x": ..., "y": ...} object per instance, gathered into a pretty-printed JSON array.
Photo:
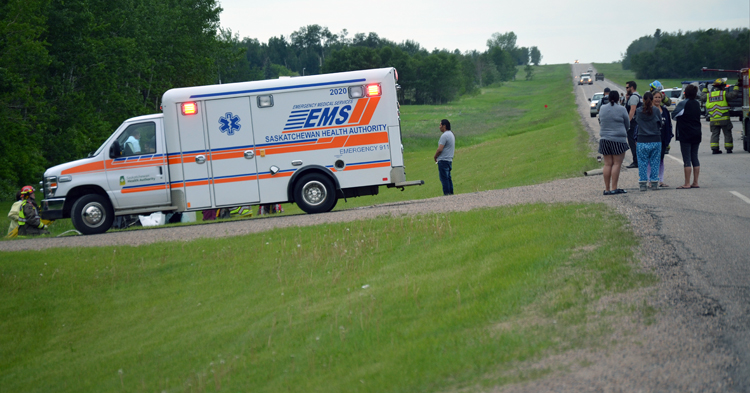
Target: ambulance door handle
[
  {"x": 249, "y": 154},
  {"x": 201, "y": 159},
  {"x": 160, "y": 172}
]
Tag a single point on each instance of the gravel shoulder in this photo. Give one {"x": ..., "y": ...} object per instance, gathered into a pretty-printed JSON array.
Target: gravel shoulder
[{"x": 680, "y": 351}]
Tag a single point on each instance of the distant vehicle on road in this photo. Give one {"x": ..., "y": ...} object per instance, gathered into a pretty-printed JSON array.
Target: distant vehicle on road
[
  {"x": 576, "y": 61},
  {"x": 585, "y": 79},
  {"x": 599, "y": 76},
  {"x": 595, "y": 103},
  {"x": 590, "y": 69}
]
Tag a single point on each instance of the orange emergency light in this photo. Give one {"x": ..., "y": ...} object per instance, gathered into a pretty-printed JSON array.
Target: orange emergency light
[{"x": 189, "y": 108}]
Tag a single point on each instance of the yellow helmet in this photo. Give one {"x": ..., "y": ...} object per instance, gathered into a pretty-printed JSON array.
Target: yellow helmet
[{"x": 719, "y": 82}]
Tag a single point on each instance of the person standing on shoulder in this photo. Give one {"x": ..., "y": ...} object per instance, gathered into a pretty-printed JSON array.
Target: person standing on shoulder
[
  {"x": 633, "y": 102},
  {"x": 444, "y": 156},
  {"x": 717, "y": 109},
  {"x": 649, "y": 142},
  {"x": 29, "y": 221},
  {"x": 687, "y": 115},
  {"x": 613, "y": 142}
]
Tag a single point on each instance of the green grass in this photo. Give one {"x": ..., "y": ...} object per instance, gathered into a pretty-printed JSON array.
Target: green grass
[
  {"x": 417, "y": 303},
  {"x": 615, "y": 73}
]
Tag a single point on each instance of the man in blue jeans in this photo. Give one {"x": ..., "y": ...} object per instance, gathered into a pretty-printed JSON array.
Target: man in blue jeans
[{"x": 444, "y": 156}]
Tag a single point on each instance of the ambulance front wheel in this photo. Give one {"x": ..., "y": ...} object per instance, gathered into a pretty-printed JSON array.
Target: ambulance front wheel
[
  {"x": 315, "y": 193},
  {"x": 92, "y": 214}
]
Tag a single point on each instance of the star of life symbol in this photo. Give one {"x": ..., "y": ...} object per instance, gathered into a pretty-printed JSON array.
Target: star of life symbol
[{"x": 229, "y": 123}]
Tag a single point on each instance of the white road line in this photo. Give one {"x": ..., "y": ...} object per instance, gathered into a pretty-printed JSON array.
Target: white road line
[
  {"x": 674, "y": 158},
  {"x": 738, "y": 195}
]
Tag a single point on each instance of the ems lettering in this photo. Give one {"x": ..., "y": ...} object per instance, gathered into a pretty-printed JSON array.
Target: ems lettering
[
  {"x": 310, "y": 122},
  {"x": 326, "y": 119}
]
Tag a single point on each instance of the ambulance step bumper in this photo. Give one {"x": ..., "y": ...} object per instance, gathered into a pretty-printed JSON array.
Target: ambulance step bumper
[{"x": 406, "y": 184}]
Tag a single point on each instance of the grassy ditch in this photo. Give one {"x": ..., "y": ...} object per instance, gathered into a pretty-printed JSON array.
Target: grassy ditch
[{"x": 400, "y": 304}]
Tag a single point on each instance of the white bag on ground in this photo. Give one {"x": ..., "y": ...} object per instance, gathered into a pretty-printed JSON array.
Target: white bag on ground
[
  {"x": 188, "y": 217},
  {"x": 155, "y": 219}
]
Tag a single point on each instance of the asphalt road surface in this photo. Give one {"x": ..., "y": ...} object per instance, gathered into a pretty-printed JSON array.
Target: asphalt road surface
[{"x": 709, "y": 227}]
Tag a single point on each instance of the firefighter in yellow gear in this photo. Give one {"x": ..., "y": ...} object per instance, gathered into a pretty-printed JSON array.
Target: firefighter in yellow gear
[
  {"x": 29, "y": 221},
  {"x": 717, "y": 108}
]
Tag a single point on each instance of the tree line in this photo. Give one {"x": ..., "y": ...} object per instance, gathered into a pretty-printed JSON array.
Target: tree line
[
  {"x": 71, "y": 71},
  {"x": 681, "y": 55}
]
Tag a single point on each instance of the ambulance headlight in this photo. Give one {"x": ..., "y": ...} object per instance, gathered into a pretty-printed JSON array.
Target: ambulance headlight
[
  {"x": 265, "y": 101},
  {"x": 356, "y": 91}
]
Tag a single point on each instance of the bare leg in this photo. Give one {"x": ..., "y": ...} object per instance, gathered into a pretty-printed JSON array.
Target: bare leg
[
  {"x": 696, "y": 172},
  {"x": 687, "y": 170},
  {"x": 607, "y": 171},
  {"x": 616, "y": 167}
]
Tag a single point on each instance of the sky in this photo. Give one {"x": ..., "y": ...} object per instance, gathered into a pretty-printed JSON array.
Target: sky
[{"x": 564, "y": 31}]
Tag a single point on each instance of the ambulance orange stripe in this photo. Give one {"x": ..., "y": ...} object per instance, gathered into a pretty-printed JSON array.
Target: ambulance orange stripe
[
  {"x": 367, "y": 166},
  {"x": 90, "y": 167},
  {"x": 357, "y": 113},
  {"x": 370, "y": 110},
  {"x": 142, "y": 189},
  {"x": 367, "y": 139},
  {"x": 234, "y": 179},
  {"x": 197, "y": 183},
  {"x": 325, "y": 140},
  {"x": 280, "y": 174}
]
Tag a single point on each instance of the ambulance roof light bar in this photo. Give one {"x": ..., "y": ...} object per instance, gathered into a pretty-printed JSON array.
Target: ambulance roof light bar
[{"x": 189, "y": 108}]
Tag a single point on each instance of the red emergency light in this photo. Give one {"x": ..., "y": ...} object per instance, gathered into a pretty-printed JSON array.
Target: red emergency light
[
  {"x": 372, "y": 90},
  {"x": 189, "y": 108}
]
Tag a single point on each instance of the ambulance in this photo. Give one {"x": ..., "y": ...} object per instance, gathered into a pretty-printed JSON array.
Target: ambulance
[{"x": 309, "y": 140}]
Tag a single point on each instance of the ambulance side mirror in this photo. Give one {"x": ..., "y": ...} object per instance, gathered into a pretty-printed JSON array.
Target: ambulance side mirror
[{"x": 115, "y": 150}]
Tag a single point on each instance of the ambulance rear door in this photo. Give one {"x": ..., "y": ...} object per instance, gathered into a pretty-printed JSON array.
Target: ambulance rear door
[{"x": 232, "y": 150}]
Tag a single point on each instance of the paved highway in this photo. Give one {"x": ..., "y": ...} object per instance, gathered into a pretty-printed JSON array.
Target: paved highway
[{"x": 708, "y": 227}]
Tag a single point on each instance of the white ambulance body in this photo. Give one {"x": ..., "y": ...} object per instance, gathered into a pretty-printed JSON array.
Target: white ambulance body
[{"x": 308, "y": 140}]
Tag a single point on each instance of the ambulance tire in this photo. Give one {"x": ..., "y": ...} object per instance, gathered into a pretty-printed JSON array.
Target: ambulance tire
[
  {"x": 315, "y": 193},
  {"x": 92, "y": 214}
]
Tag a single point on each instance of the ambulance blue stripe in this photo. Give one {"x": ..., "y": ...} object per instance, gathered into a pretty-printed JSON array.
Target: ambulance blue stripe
[
  {"x": 367, "y": 162},
  {"x": 284, "y": 171},
  {"x": 145, "y": 185},
  {"x": 227, "y": 177},
  {"x": 277, "y": 88},
  {"x": 285, "y": 143},
  {"x": 233, "y": 147}
]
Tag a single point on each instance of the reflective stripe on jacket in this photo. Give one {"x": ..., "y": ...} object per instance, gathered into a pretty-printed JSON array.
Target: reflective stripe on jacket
[{"x": 717, "y": 106}]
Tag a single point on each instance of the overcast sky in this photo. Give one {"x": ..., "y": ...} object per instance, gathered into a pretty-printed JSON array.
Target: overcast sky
[{"x": 590, "y": 31}]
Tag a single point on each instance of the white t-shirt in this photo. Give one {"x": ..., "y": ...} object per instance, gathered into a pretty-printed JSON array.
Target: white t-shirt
[{"x": 135, "y": 146}]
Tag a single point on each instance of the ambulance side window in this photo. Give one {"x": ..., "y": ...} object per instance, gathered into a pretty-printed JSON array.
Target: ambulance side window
[{"x": 138, "y": 139}]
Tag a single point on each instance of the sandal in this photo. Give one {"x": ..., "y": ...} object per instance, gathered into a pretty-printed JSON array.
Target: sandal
[
  {"x": 663, "y": 185},
  {"x": 608, "y": 192},
  {"x": 620, "y": 191},
  {"x": 683, "y": 188},
  {"x": 695, "y": 187}
]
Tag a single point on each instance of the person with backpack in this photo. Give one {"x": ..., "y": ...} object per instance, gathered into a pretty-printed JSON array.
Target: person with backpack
[{"x": 633, "y": 102}]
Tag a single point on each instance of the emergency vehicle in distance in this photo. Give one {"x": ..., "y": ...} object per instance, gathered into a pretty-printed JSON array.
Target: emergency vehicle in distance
[{"x": 309, "y": 140}]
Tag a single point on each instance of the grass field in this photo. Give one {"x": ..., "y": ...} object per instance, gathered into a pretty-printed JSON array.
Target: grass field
[
  {"x": 425, "y": 303},
  {"x": 615, "y": 73},
  {"x": 437, "y": 302}
]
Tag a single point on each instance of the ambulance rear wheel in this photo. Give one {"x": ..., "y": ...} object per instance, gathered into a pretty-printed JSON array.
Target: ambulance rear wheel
[
  {"x": 315, "y": 193},
  {"x": 92, "y": 214}
]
